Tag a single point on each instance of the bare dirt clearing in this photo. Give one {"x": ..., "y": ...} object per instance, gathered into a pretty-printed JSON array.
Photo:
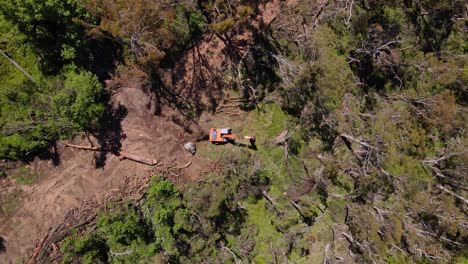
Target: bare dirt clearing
[{"x": 78, "y": 178}]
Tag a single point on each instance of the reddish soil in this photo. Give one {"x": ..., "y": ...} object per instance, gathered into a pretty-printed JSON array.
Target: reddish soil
[{"x": 271, "y": 10}]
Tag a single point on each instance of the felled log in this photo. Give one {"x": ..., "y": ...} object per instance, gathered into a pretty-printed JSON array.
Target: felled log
[
  {"x": 151, "y": 162},
  {"x": 452, "y": 193},
  {"x": 122, "y": 155},
  {"x": 84, "y": 147}
]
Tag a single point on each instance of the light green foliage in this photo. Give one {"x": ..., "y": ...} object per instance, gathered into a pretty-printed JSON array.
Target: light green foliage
[
  {"x": 80, "y": 100},
  {"x": 333, "y": 76},
  {"x": 227, "y": 15},
  {"x": 122, "y": 229},
  {"x": 34, "y": 115},
  {"x": 224, "y": 25},
  {"x": 171, "y": 221},
  {"x": 125, "y": 231},
  {"x": 262, "y": 220},
  {"x": 13, "y": 44}
]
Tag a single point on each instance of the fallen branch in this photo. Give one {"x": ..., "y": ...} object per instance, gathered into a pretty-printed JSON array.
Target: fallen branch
[
  {"x": 84, "y": 147},
  {"x": 360, "y": 142},
  {"x": 231, "y": 252},
  {"x": 128, "y": 252},
  {"x": 379, "y": 211},
  {"x": 351, "y": 240},
  {"x": 273, "y": 253},
  {"x": 37, "y": 249},
  {"x": 298, "y": 209},
  {"x": 441, "y": 176},
  {"x": 271, "y": 201},
  {"x": 83, "y": 223},
  {"x": 326, "y": 259},
  {"x": 185, "y": 166},
  {"x": 234, "y": 99},
  {"x": 452, "y": 193},
  {"x": 228, "y": 112}
]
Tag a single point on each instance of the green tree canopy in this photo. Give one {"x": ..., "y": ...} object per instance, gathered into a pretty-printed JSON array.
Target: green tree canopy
[{"x": 50, "y": 26}]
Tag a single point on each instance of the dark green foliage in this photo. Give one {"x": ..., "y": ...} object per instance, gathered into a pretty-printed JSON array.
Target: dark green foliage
[
  {"x": 51, "y": 27},
  {"x": 80, "y": 100},
  {"x": 90, "y": 249},
  {"x": 433, "y": 21}
]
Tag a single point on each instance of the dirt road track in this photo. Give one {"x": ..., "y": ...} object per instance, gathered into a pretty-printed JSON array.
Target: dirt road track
[{"x": 77, "y": 178}]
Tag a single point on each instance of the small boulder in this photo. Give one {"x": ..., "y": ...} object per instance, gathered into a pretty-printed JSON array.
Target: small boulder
[{"x": 190, "y": 147}]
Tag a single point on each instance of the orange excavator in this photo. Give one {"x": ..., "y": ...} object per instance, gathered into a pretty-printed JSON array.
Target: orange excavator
[{"x": 224, "y": 135}]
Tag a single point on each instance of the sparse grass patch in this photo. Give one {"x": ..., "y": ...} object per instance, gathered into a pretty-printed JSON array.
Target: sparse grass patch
[
  {"x": 267, "y": 233},
  {"x": 320, "y": 233},
  {"x": 9, "y": 201},
  {"x": 25, "y": 177}
]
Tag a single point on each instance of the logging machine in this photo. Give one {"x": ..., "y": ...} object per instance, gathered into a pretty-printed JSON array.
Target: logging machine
[{"x": 224, "y": 135}]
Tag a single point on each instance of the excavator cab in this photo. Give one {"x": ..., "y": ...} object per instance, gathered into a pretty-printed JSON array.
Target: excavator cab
[{"x": 221, "y": 135}]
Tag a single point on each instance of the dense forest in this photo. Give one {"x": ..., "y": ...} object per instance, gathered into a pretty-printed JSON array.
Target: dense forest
[{"x": 359, "y": 108}]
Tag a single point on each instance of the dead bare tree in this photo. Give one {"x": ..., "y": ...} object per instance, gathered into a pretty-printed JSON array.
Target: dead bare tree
[
  {"x": 376, "y": 52},
  {"x": 440, "y": 187},
  {"x": 350, "y": 8}
]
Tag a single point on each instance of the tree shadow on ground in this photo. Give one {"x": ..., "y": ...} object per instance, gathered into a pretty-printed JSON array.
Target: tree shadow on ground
[
  {"x": 198, "y": 87},
  {"x": 192, "y": 86},
  {"x": 161, "y": 96},
  {"x": 101, "y": 56},
  {"x": 2, "y": 245},
  {"x": 110, "y": 133},
  {"x": 252, "y": 145},
  {"x": 52, "y": 154}
]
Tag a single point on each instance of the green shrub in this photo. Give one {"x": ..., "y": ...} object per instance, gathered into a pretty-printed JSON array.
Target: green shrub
[{"x": 90, "y": 249}]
